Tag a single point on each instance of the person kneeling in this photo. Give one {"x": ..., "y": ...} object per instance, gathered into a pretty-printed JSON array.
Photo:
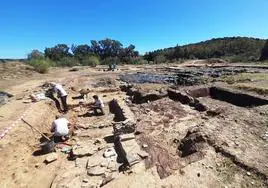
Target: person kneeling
[
  {"x": 97, "y": 105},
  {"x": 60, "y": 127}
]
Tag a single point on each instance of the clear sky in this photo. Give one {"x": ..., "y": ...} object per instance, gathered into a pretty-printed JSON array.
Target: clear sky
[{"x": 148, "y": 24}]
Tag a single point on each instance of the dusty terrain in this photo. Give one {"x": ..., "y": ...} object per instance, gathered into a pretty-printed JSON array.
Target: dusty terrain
[{"x": 190, "y": 125}]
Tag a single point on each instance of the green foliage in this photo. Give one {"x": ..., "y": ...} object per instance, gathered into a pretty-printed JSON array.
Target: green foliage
[
  {"x": 264, "y": 52},
  {"x": 57, "y": 52},
  {"x": 67, "y": 62},
  {"x": 90, "y": 61},
  {"x": 232, "y": 48},
  {"x": 35, "y": 54},
  {"x": 40, "y": 65},
  {"x": 90, "y": 54},
  {"x": 160, "y": 59},
  {"x": 110, "y": 60},
  {"x": 138, "y": 61}
]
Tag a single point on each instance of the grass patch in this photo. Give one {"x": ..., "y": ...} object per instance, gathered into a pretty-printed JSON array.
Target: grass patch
[
  {"x": 252, "y": 88},
  {"x": 244, "y": 77},
  {"x": 227, "y": 170}
]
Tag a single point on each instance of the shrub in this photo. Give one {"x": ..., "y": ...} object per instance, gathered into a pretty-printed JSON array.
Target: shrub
[
  {"x": 67, "y": 62},
  {"x": 160, "y": 59},
  {"x": 110, "y": 60},
  {"x": 90, "y": 61},
  {"x": 40, "y": 65},
  {"x": 138, "y": 61}
]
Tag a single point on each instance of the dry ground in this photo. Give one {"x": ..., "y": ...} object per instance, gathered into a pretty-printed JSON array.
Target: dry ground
[{"x": 234, "y": 154}]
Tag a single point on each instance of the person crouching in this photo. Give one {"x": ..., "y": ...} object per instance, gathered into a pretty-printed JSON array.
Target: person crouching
[
  {"x": 97, "y": 105},
  {"x": 60, "y": 127}
]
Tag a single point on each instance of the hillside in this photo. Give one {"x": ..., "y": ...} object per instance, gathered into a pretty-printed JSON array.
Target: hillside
[{"x": 234, "y": 49}]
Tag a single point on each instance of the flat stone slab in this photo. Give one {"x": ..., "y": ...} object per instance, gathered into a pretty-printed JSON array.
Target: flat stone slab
[
  {"x": 126, "y": 137},
  {"x": 51, "y": 157},
  {"x": 133, "y": 159},
  {"x": 82, "y": 151},
  {"x": 96, "y": 171}
]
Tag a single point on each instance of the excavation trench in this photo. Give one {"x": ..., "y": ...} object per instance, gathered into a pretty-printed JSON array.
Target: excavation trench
[
  {"x": 234, "y": 98},
  {"x": 194, "y": 142},
  {"x": 238, "y": 162}
]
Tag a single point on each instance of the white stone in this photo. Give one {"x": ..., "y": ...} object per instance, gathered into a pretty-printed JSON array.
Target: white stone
[
  {"x": 145, "y": 146},
  {"x": 248, "y": 173},
  {"x": 109, "y": 153},
  {"x": 143, "y": 154}
]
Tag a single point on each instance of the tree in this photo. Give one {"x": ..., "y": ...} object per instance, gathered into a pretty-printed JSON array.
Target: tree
[
  {"x": 264, "y": 52},
  {"x": 36, "y": 54},
  {"x": 57, "y": 52},
  {"x": 109, "y": 48},
  {"x": 81, "y": 51},
  {"x": 178, "y": 53},
  {"x": 246, "y": 49}
]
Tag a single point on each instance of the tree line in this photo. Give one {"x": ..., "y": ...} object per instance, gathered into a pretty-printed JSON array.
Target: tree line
[
  {"x": 233, "y": 49},
  {"x": 105, "y": 51}
]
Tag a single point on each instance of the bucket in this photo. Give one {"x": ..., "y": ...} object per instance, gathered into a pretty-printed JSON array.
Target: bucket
[{"x": 48, "y": 146}]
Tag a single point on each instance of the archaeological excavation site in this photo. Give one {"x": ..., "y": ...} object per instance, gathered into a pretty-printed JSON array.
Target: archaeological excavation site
[{"x": 183, "y": 126}]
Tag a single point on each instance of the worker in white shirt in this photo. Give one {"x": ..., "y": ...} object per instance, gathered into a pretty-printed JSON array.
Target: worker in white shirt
[
  {"x": 97, "y": 105},
  {"x": 61, "y": 129},
  {"x": 62, "y": 94}
]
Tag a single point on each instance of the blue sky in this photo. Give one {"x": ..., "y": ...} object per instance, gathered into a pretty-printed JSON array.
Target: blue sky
[{"x": 148, "y": 24}]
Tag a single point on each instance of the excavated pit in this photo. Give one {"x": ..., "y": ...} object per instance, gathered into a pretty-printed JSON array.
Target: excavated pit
[
  {"x": 192, "y": 143},
  {"x": 235, "y": 98}
]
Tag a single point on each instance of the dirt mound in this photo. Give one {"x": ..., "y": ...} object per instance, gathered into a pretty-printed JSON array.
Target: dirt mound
[{"x": 15, "y": 70}]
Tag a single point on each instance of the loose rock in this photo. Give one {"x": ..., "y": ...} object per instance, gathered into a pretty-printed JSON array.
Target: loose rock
[
  {"x": 37, "y": 165},
  {"x": 51, "y": 157},
  {"x": 113, "y": 166},
  {"x": 85, "y": 180},
  {"x": 143, "y": 154},
  {"x": 109, "y": 153},
  {"x": 145, "y": 146},
  {"x": 108, "y": 178}
]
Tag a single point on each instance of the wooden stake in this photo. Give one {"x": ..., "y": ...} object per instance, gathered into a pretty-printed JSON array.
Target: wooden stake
[{"x": 36, "y": 129}]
